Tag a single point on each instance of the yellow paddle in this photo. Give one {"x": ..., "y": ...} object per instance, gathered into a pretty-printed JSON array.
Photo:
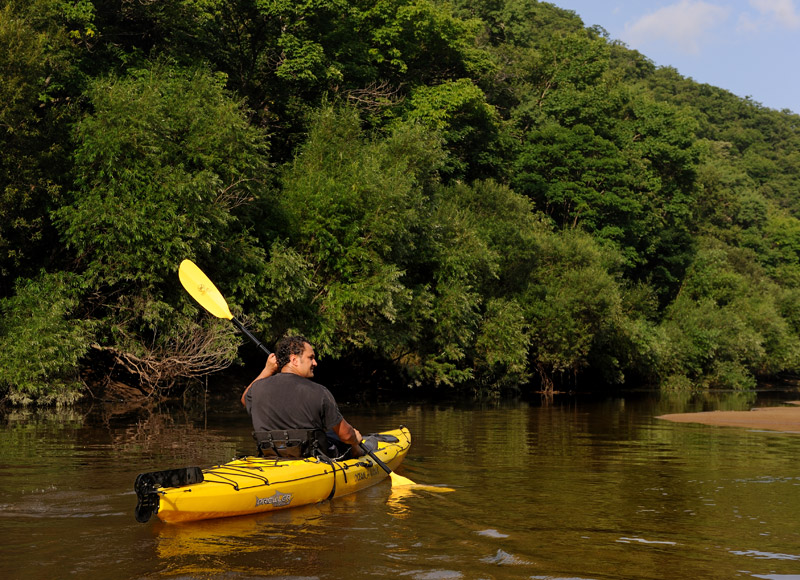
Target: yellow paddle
[
  {"x": 198, "y": 285},
  {"x": 203, "y": 290},
  {"x": 399, "y": 481}
]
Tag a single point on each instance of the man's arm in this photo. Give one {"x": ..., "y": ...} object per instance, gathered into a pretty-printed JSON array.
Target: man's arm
[
  {"x": 349, "y": 434},
  {"x": 269, "y": 369}
]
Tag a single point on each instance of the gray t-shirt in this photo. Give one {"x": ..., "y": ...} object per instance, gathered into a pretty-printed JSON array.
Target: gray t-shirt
[{"x": 289, "y": 401}]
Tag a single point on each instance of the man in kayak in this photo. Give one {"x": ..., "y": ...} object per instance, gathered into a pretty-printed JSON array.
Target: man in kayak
[{"x": 284, "y": 402}]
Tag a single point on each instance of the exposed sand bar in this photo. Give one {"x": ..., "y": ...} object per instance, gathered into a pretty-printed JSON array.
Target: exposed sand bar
[{"x": 773, "y": 418}]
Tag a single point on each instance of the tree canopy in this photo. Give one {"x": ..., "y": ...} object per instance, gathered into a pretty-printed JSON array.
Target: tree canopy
[{"x": 478, "y": 196}]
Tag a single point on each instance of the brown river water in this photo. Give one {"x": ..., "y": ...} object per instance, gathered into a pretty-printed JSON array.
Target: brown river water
[{"x": 575, "y": 488}]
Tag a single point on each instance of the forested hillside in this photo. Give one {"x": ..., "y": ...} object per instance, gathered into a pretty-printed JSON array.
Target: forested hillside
[{"x": 476, "y": 195}]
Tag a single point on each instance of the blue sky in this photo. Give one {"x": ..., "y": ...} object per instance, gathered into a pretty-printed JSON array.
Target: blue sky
[{"x": 749, "y": 47}]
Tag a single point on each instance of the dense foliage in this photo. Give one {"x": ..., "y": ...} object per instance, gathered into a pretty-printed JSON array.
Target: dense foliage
[{"x": 483, "y": 195}]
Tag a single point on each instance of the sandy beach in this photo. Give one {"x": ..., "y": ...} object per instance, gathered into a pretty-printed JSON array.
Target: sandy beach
[{"x": 772, "y": 418}]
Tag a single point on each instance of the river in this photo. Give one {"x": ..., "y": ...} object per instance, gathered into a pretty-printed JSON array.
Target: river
[{"x": 575, "y": 488}]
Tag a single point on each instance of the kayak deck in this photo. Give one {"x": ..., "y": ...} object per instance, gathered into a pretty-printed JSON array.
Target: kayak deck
[{"x": 255, "y": 484}]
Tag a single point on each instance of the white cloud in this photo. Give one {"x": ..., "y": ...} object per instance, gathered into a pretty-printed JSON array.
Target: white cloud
[
  {"x": 782, "y": 12},
  {"x": 685, "y": 25}
]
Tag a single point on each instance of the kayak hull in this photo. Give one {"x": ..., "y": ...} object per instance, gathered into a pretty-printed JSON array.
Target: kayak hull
[{"x": 255, "y": 484}]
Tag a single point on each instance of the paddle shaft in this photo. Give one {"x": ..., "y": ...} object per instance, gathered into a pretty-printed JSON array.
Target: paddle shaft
[
  {"x": 250, "y": 335},
  {"x": 375, "y": 458}
]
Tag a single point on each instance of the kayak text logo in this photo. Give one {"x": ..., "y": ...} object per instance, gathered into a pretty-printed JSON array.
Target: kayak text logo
[
  {"x": 363, "y": 476},
  {"x": 277, "y": 500}
]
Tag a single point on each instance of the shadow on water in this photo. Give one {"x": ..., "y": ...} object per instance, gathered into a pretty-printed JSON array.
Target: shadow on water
[{"x": 582, "y": 486}]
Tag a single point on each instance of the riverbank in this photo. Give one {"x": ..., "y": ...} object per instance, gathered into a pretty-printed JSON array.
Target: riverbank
[{"x": 771, "y": 418}]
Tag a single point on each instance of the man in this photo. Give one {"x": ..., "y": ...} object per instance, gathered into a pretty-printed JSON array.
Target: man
[{"x": 282, "y": 398}]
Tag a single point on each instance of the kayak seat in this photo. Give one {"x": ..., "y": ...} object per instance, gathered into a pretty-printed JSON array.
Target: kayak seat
[{"x": 290, "y": 443}]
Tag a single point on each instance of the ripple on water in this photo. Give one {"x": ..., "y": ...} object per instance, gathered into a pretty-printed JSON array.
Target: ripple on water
[
  {"x": 491, "y": 533},
  {"x": 644, "y": 541},
  {"x": 765, "y": 555},
  {"x": 502, "y": 558},
  {"x": 49, "y": 504},
  {"x": 432, "y": 574},
  {"x": 768, "y": 479}
]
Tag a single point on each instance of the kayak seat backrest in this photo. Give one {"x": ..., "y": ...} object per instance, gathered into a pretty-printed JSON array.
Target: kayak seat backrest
[{"x": 290, "y": 443}]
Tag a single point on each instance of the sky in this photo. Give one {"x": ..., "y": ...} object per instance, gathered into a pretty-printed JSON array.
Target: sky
[{"x": 748, "y": 47}]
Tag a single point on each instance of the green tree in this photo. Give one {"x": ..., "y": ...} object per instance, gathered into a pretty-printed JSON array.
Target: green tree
[
  {"x": 399, "y": 262},
  {"x": 351, "y": 205},
  {"x": 166, "y": 168},
  {"x": 163, "y": 165},
  {"x": 36, "y": 78},
  {"x": 573, "y": 302},
  {"x": 632, "y": 183},
  {"x": 42, "y": 341},
  {"x": 285, "y": 58},
  {"x": 470, "y": 127},
  {"x": 519, "y": 22},
  {"x": 727, "y": 326},
  {"x": 496, "y": 246}
]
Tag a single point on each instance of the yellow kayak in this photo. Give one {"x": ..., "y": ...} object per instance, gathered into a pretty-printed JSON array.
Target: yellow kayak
[{"x": 255, "y": 484}]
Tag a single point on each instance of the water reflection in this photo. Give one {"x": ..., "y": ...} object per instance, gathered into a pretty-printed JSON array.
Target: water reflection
[{"x": 195, "y": 548}]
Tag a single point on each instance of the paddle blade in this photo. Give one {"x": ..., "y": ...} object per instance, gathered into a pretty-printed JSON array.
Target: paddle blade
[
  {"x": 203, "y": 290},
  {"x": 403, "y": 485},
  {"x": 432, "y": 488},
  {"x": 398, "y": 480}
]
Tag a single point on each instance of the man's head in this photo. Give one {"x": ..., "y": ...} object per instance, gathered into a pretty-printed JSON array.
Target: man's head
[{"x": 295, "y": 355}]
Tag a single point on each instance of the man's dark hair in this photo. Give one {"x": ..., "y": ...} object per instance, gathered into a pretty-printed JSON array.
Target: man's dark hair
[{"x": 288, "y": 346}]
